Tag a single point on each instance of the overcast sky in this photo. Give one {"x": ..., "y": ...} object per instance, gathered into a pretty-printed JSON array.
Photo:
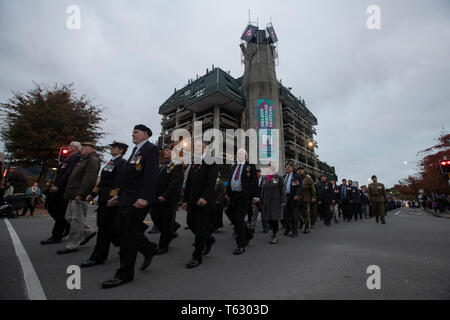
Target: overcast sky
[{"x": 380, "y": 96}]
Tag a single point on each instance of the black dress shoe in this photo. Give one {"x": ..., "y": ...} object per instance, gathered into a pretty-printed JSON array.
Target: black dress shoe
[
  {"x": 238, "y": 251},
  {"x": 209, "y": 246},
  {"x": 161, "y": 251},
  {"x": 148, "y": 258},
  {"x": 90, "y": 263},
  {"x": 193, "y": 264},
  {"x": 82, "y": 243},
  {"x": 112, "y": 283},
  {"x": 50, "y": 241},
  {"x": 66, "y": 251},
  {"x": 174, "y": 235}
]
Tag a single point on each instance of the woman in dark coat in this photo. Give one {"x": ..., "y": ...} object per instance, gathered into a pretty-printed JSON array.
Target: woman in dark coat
[{"x": 273, "y": 199}]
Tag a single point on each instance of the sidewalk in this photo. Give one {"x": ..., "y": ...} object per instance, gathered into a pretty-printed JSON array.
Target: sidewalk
[{"x": 437, "y": 214}]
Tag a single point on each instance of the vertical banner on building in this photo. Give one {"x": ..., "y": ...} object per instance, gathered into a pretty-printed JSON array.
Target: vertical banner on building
[{"x": 266, "y": 124}]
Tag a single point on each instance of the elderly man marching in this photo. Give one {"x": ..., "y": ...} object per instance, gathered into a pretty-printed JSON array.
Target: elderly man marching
[
  {"x": 293, "y": 190},
  {"x": 242, "y": 189},
  {"x": 81, "y": 182},
  {"x": 137, "y": 193}
]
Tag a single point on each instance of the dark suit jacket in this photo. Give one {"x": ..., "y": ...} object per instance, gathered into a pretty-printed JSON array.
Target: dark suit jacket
[
  {"x": 110, "y": 178},
  {"x": 249, "y": 181},
  {"x": 65, "y": 170},
  {"x": 336, "y": 194},
  {"x": 139, "y": 177},
  {"x": 324, "y": 192},
  {"x": 296, "y": 187},
  {"x": 201, "y": 183},
  {"x": 169, "y": 181}
]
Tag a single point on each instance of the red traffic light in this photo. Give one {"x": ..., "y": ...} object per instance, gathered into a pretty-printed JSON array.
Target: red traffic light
[
  {"x": 445, "y": 166},
  {"x": 63, "y": 153}
]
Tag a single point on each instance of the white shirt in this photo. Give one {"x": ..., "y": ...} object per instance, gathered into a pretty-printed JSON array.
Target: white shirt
[{"x": 138, "y": 146}]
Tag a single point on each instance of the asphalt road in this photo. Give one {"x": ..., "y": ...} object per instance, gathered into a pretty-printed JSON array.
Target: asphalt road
[{"x": 412, "y": 251}]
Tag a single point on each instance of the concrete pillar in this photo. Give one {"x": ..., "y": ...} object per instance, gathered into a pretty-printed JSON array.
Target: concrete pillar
[{"x": 216, "y": 117}]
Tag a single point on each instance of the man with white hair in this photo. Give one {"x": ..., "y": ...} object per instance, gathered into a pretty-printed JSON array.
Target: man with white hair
[
  {"x": 242, "y": 188},
  {"x": 81, "y": 182},
  {"x": 57, "y": 205}
]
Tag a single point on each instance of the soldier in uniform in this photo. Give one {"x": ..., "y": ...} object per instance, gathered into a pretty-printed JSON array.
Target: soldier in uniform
[
  {"x": 198, "y": 200},
  {"x": 293, "y": 191},
  {"x": 137, "y": 193},
  {"x": 324, "y": 197},
  {"x": 57, "y": 205},
  {"x": 308, "y": 196},
  {"x": 106, "y": 215},
  {"x": 377, "y": 197},
  {"x": 168, "y": 187}
]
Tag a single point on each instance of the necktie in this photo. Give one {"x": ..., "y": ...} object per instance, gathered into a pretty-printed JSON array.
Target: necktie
[
  {"x": 132, "y": 154},
  {"x": 238, "y": 171}
]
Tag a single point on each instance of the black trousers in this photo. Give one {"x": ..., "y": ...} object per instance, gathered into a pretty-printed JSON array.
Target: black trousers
[
  {"x": 57, "y": 207},
  {"x": 355, "y": 210},
  {"x": 29, "y": 206},
  {"x": 240, "y": 205},
  {"x": 347, "y": 209},
  {"x": 217, "y": 216},
  {"x": 291, "y": 214},
  {"x": 274, "y": 225},
  {"x": 163, "y": 215},
  {"x": 325, "y": 211},
  {"x": 107, "y": 233},
  {"x": 132, "y": 240},
  {"x": 198, "y": 221}
]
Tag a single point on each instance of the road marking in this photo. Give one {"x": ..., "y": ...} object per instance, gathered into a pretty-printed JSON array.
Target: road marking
[
  {"x": 397, "y": 213},
  {"x": 32, "y": 284}
]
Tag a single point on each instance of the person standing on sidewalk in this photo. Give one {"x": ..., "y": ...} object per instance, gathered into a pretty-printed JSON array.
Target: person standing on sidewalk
[
  {"x": 32, "y": 195},
  {"x": 57, "y": 205},
  {"x": 81, "y": 182}
]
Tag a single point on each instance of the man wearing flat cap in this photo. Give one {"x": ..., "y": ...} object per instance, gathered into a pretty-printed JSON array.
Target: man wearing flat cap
[
  {"x": 57, "y": 205},
  {"x": 107, "y": 187},
  {"x": 136, "y": 195},
  {"x": 168, "y": 186},
  {"x": 80, "y": 184}
]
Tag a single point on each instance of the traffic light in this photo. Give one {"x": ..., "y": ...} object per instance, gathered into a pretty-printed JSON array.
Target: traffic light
[
  {"x": 445, "y": 166},
  {"x": 63, "y": 153}
]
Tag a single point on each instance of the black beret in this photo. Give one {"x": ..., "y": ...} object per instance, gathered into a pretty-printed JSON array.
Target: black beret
[
  {"x": 168, "y": 146},
  {"x": 144, "y": 128}
]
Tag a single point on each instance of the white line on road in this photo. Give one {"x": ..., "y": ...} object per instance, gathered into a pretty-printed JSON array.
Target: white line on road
[
  {"x": 32, "y": 284},
  {"x": 397, "y": 213}
]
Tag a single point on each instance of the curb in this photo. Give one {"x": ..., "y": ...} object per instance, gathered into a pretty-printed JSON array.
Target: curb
[{"x": 436, "y": 214}]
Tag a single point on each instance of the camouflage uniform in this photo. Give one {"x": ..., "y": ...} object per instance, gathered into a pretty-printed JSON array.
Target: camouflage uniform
[
  {"x": 308, "y": 192},
  {"x": 377, "y": 198}
]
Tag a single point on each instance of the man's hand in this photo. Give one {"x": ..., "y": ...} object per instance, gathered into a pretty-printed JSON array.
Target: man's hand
[
  {"x": 112, "y": 202},
  {"x": 140, "y": 203},
  {"x": 320, "y": 202},
  {"x": 296, "y": 198},
  {"x": 161, "y": 199},
  {"x": 89, "y": 198},
  {"x": 184, "y": 205},
  {"x": 202, "y": 202},
  {"x": 54, "y": 189},
  {"x": 78, "y": 199},
  {"x": 254, "y": 201},
  {"x": 313, "y": 199},
  {"x": 227, "y": 197},
  {"x": 283, "y": 204},
  {"x": 333, "y": 202}
]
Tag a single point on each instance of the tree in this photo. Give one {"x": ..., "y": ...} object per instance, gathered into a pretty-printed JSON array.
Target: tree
[
  {"x": 431, "y": 178},
  {"x": 18, "y": 181},
  {"x": 38, "y": 123}
]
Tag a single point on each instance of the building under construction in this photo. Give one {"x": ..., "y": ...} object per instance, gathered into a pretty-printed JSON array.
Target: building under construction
[{"x": 223, "y": 102}]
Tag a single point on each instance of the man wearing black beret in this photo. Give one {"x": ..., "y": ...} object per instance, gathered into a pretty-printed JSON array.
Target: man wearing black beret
[{"x": 136, "y": 195}]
